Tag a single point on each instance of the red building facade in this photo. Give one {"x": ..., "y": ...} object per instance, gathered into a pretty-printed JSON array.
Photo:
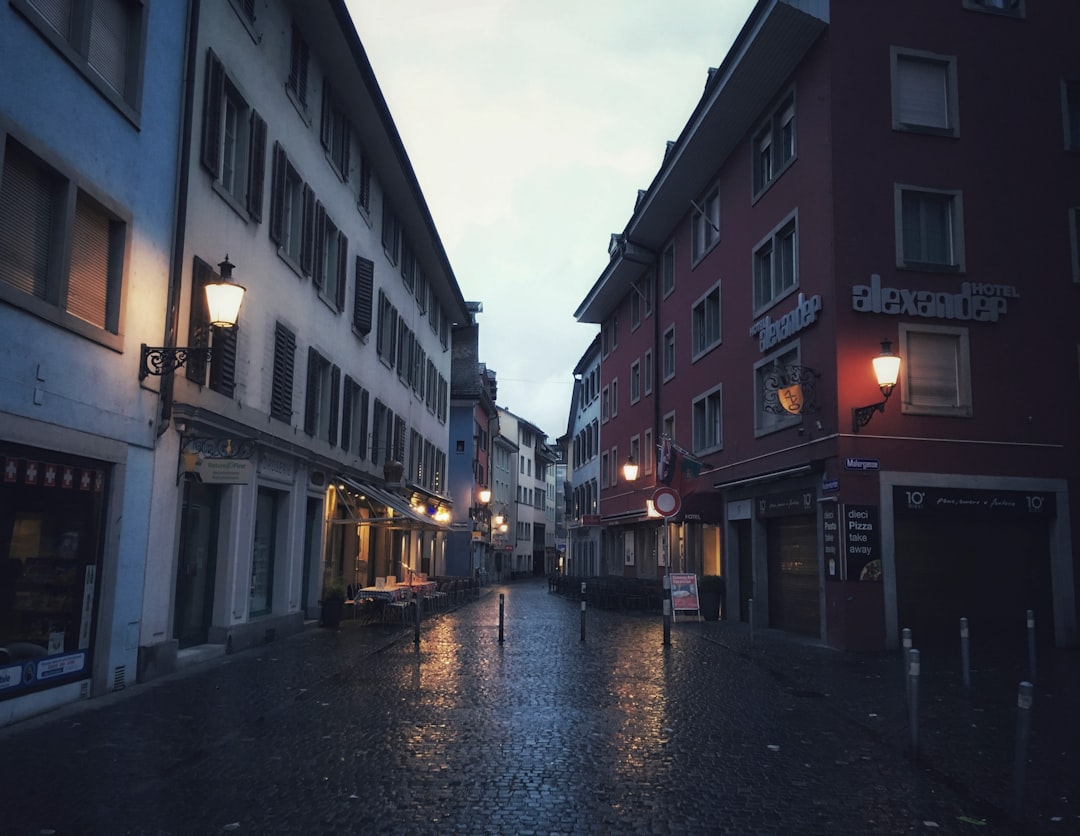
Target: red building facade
[{"x": 858, "y": 174}]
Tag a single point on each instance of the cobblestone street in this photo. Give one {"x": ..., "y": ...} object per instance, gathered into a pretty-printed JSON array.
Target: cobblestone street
[{"x": 359, "y": 731}]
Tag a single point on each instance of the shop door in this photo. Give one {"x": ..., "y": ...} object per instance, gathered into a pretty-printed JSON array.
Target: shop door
[
  {"x": 196, "y": 567},
  {"x": 990, "y": 573},
  {"x": 262, "y": 555},
  {"x": 746, "y": 567},
  {"x": 794, "y": 597}
]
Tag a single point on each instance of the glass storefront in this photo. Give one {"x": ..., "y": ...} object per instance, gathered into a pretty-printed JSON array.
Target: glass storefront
[{"x": 52, "y": 512}]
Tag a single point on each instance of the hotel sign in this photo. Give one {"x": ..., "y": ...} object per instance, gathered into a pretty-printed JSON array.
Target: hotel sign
[
  {"x": 976, "y": 301},
  {"x": 770, "y": 332}
]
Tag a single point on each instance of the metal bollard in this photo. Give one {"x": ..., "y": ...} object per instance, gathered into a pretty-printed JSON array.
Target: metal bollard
[
  {"x": 583, "y": 610},
  {"x": 1023, "y": 732},
  {"x": 905, "y": 646},
  {"x": 965, "y": 654},
  {"x": 1031, "y": 643},
  {"x": 667, "y": 610},
  {"x": 913, "y": 701},
  {"x": 502, "y": 599},
  {"x": 750, "y": 615}
]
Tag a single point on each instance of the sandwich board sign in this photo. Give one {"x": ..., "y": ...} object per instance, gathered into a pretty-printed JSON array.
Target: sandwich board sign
[{"x": 684, "y": 596}]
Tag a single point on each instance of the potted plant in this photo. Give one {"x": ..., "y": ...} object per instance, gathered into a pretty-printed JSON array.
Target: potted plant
[
  {"x": 333, "y": 602},
  {"x": 711, "y": 590}
]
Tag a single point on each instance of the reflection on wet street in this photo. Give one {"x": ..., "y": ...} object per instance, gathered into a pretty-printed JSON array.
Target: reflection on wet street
[{"x": 363, "y": 731}]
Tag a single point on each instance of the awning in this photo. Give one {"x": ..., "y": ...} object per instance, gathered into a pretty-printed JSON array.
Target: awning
[{"x": 403, "y": 513}]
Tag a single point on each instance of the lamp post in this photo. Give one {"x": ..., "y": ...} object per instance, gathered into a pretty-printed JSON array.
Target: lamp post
[
  {"x": 886, "y": 370},
  {"x": 223, "y": 304}
]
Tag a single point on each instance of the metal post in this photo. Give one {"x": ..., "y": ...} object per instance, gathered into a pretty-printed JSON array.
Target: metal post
[
  {"x": 667, "y": 609},
  {"x": 965, "y": 653},
  {"x": 750, "y": 615},
  {"x": 417, "y": 601},
  {"x": 905, "y": 646},
  {"x": 913, "y": 701},
  {"x": 583, "y": 610},
  {"x": 502, "y": 599},
  {"x": 1023, "y": 730},
  {"x": 1031, "y": 643}
]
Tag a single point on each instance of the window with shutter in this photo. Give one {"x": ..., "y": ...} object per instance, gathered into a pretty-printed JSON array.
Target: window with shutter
[
  {"x": 936, "y": 372},
  {"x": 362, "y": 299},
  {"x": 924, "y": 92},
  {"x": 298, "y": 67},
  {"x": 103, "y": 39},
  {"x": 35, "y": 229},
  {"x": 281, "y": 392}
]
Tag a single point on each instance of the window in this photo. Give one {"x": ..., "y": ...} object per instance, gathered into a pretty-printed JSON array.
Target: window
[
  {"x": 648, "y": 290},
  {"x": 61, "y": 251},
  {"x": 323, "y": 392},
  {"x": 929, "y": 229},
  {"x": 669, "y": 353},
  {"x": 292, "y": 213},
  {"x": 705, "y": 224},
  {"x": 609, "y": 334},
  {"x": 362, "y": 295},
  {"x": 103, "y": 39},
  {"x": 648, "y": 452},
  {"x": 298, "y": 68},
  {"x": 774, "y": 145},
  {"x": 648, "y": 371},
  {"x": 924, "y": 92},
  {"x": 223, "y": 340},
  {"x": 614, "y": 397},
  {"x": 354, "y": 418},
  {"x": 635, "y": 381},
  {"x": 936, "y": 371},
  {"x": 335, "y": 132},
  {"x": 331, "y": 257},
  {"x": 705, "y": 322},
  {"x": 1014, "y": 8},
  {"x": 391, "y": 232},
  {"x": 1074, "y": 238},
  {"x": 667, "y": 267},
  {"x": 635, "y": 307},
  {"x": 776, "y": 266},
  {"x": 281, "y": 391},
  {"x": 605, "y": 404},
  {"x": 363, "y": 185},
  {"x": 769, "y": 376},
  {"x": 707, "y": 421},
  {"x": 233, "y": 141},
  {"x": 1070, "y": 94},
  {"x": 635, "y": 449},
  {"x": 386, "y": 330}
]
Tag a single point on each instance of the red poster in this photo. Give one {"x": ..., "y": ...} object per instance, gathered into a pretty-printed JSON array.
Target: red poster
[{"x": 684, "y": 593}]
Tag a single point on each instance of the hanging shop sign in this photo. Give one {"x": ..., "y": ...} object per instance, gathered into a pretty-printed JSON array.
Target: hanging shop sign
[
  {"x": 862, "y": 542},
  {"x": 974, "y": 502},
  {"x": 771, "y": 331},
  {"x": 830, "y": 538},
  {"x": 976, "y": 301},
  {"x": 224, "y": 471}
]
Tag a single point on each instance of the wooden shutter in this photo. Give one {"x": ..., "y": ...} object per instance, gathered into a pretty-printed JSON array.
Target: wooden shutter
[
  {"x": 365, "y": 182},
  {"x": 362, "y": 427},
  {"x": 335, "y": 405},
  {"x": 318, "y": 270},
  {"x": 223, "y": 364},
  {"x": 256, "y": 167},
  {"x": 199, "y": 320},
  {"x": 365, "y": 284},
  {"x": 282, "y": 387},
  {"x": 277, "y": 195},
  {"x": 311, "y": 396},
  {"x": 213, "y": 98}
]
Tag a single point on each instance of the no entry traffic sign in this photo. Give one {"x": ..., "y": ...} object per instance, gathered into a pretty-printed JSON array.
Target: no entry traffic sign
[{"x": 666, "y": 501}]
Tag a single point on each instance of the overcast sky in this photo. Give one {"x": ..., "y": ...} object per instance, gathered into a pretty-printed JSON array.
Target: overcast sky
[{"x": 531, "y": 126}]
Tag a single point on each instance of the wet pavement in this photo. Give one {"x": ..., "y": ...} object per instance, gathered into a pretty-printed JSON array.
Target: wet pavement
[{"x": 721, "y": 732}]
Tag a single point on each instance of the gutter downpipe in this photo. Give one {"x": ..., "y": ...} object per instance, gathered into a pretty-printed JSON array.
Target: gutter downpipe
[{"x": 176, "y": 268}]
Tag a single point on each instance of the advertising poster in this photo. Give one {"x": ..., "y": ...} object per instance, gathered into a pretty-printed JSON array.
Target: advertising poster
[{"x": 684, "y": 595}]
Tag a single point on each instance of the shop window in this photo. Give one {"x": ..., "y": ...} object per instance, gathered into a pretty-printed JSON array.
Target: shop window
[{"x": 52, "y": 514}]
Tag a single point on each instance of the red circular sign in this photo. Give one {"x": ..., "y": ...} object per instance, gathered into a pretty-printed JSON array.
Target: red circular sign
[{"x": 666, "y": 501}]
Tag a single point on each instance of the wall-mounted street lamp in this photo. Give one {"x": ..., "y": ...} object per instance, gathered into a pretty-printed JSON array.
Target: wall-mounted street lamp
[
  {"x": 630, "y": 469},
  {"x": 886, "y": 370},
  {"x": 223, "y": 301}
]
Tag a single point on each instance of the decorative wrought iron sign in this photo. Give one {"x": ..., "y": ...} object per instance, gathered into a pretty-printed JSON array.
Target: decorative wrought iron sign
[
  {"x": 221, "y": 448},
  {"x": 791, "y": 390}
]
